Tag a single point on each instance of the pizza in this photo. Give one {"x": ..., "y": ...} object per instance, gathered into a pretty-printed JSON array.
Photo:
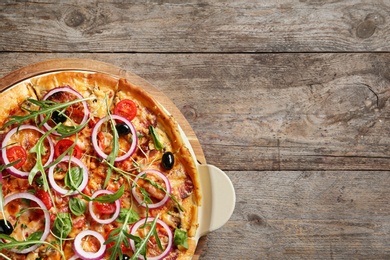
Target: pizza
[{"x": 93, "y": 167}]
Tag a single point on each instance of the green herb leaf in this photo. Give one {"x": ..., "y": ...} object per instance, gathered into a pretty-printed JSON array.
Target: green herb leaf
[
  {"x": 180, "y": 238},
  {"x": 46, "y": 108},
  {"x": 114, "y": 152},
  {"x": 141, "y": 246},
  {"x": 77, "y": 206},
  {"x": 73, "y": 178},
  {"x": 62, "y": 225},
  {"x": 109, "y": 198},
  {"x": 156, "y": 140},
  {"x": 34, "y": 236},
  {"x": 133, "y": 216}
]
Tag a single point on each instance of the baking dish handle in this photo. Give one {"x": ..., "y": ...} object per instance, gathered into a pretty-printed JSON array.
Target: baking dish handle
[{"x": 218, "y": 198}]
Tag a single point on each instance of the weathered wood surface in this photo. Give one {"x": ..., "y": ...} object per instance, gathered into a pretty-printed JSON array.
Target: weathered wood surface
[
  {"x": 195, "y": 26},
  {"x": 271, "y": 111},
  {"x": 303, "y": 136}
]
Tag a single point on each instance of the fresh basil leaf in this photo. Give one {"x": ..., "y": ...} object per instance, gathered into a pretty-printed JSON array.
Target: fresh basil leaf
[
  {"x": 62, "y": 225},
  {"x": 109, "y": 198},
  {"x": 77, "y": 206},
  {"x": 73, "y": 177},
  {"x": 133, "y": 216},
  {"x": 156, "y": 140},
  {"x": 180, "y": 238}
]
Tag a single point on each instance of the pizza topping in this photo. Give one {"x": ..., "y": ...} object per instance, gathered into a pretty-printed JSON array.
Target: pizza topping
[
  {"x": 155, "y": 238},
  {"x": 89, "y": 244},
  {"x": 17, "y": 153},
  {"x": 151, "y": 189},
  {"x": 6, "y": 227},
  {"x": 28, "y": 247},
  {"x": 75, "y": 177},
  {"x": 62, "y": 145},
  {"x": 126, "y": 108},
  {"x": 156, "y": 140},
  {"x": 123, "y": 129},
  {"x": 26, "y": 136},
  {"x": 167, "y": 161},
  {"x": 74, "y": 114},
  {"x": 104, "y": 209},
  {"x": 102, "y": 127},
  {"x": 58, "y": 117}
]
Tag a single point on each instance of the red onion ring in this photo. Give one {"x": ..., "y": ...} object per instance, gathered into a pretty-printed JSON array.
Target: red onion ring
[
  {"x": 96, "y": 145},
  {"x": 134, "y": 229},
  {"x": 63, "y": 191},
  {"x": 167, "y": 188},
  {"x": 29, "y": 196},
  {"x": 113, "y": 217},
  {"x": 12, "y": 170},
  {"x": 69, "y": 90},
  {"x": 89, "y": 255}
]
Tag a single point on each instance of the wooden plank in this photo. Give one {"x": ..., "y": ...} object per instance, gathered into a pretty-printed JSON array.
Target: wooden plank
[
  {"x": 194, "y": 26},
  {"x": 271, "y": 111},
  {"x": 306, "y": 215}
]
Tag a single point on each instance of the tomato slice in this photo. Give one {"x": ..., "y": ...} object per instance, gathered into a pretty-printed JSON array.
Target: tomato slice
[
  {"x": 104, "y": 208},
  {"x": 64, "y": 144},
  {"x": 126, "y": 108},
  {"x": 44, "y": 196},
  {"x": 15, "y": 153}
]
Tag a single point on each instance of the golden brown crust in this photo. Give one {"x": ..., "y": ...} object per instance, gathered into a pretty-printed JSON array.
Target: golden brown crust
[{"x": 11, "y": 99}]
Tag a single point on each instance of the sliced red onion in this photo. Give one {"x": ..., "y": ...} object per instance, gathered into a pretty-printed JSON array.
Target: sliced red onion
[
  {"x": 95, "y": 132},
  {"x": 12, "y": 170},
  {"x": 113, "y": 217},
  {"x": 29, "y": 196},
  {"x": 69, "y": 90},
  {"x": 167, "y": 188},
  {"x": 141, "y": 222},
  {"x": 61, "y": 190},
  {"x": 78, "y": 248}
]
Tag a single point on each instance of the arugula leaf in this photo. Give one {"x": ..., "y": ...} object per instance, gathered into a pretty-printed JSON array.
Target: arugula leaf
[
  {"x": 180, "y": 238},
  {"x": 141, "y": 246},
  {"x": 34, "y": 236},
  {"x": 47, "y": 107},
  {"x": 77, "y": 206},
  {"x": 39, "y": 150},
  {"x": 114, "y": 152},
  {"x": 118, "y": 236},
  {"x": 109, "y": 198},
  {"x": 156, "y": 140},
  {"x": 12, "y": 243}
]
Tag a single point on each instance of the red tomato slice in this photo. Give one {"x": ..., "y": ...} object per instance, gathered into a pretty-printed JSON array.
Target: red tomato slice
[
  {"x": 15, "y": 153},
  {"x": 104, "y": 208},
  {"x": 64, "y": 144},
  {"x": 44, "y": 196},
  {"x": 126, "y": 108}
]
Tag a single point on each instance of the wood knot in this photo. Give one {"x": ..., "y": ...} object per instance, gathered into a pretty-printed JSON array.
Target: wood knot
[
  {"x": 75, "y": 19},
  {"x": 367, "y": 28},
  {"x": 189, "y": 112}
]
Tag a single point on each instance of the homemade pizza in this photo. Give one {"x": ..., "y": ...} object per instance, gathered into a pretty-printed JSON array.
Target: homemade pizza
[{"x": 93, "y": 168}]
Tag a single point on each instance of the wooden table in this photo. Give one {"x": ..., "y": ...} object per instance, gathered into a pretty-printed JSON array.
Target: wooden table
[{"x": 290, "y": 98}]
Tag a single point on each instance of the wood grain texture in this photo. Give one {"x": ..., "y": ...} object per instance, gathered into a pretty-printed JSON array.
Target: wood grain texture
[
  {"x": 306, "y": 215},
  {"x": 195, "y": 26},
  {"x": 272, "y": 111}
]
